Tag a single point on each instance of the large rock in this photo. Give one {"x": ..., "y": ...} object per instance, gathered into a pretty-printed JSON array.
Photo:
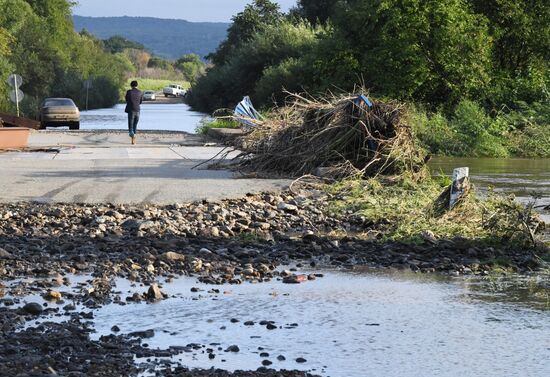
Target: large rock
[{"x": 154, "y": 293}]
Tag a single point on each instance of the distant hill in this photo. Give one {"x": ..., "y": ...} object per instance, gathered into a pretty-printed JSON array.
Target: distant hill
[{"x": 167, "y": 38}]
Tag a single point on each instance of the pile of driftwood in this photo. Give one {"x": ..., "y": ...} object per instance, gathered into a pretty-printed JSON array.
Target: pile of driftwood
[{"x": 340, "y": 136}]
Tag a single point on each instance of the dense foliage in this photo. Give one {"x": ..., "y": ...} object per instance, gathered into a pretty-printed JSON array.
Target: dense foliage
[
  {"x": 477, "y": 71},
  {"x": 37, "y": 41}
]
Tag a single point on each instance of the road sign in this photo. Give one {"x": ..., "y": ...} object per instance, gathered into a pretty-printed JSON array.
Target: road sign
[
  {"x": 15, "y": 81},
  {"x": 88, "y": 84},
  {"x": 16, "y": 97}
]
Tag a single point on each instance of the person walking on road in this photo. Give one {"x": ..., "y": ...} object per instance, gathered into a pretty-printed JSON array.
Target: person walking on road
[{"x": 134, "y": 98}]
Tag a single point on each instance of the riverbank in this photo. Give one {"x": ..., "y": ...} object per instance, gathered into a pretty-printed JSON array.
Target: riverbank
[{"x": 48, "y": 248}]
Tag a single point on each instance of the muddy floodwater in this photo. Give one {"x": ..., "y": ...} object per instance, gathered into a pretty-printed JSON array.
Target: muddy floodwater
[
  {"x": 158, "y": 117},
  {"x": 350, "y": 324}
]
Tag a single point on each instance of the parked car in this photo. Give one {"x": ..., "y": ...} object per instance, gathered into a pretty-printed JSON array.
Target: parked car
[
  {"x": 174, "y": 90},
  {"x": 59, "y": 112},
  {"x": 149, "y": 95}
]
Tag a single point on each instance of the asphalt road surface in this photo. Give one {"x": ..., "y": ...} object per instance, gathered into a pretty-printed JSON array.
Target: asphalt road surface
[{"x": 101, "y": 167}]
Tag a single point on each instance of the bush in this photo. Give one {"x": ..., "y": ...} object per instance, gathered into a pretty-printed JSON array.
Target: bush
[{"x": 225, "y": 85}]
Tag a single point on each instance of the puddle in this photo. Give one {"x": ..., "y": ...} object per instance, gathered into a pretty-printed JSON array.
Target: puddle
[{"x": 345, "y": 324}]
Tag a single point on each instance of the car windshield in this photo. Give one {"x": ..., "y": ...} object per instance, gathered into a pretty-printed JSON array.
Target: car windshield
[
  {"x": 173, "y": 86},
  {"x": 148, "y": 92},
  {"x": 58, "y": 102}
]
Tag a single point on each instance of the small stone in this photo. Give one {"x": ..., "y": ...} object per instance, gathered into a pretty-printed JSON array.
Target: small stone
[
  {"x": 301, "y": 360},
  {"x": 266, "y": 362},
  {"x": 33, "y": 308},
  {"x": 287, "y": 207},
  {"x": 172, "y": 256},
  {"x": 115, "y": 328},
  {"x": 143, "y": 334},
  {"x": 233, "y": 348},
  {"x": 4, "y": 254},
  {"x": 52, "y": 295},
  {"x": 295, "y": 279},
  {"x": 281, "y": 358},
  {"x": 154, "y": 293}
]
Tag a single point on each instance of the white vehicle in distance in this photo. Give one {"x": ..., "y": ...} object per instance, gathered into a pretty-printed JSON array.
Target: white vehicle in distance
[
  {"x": 149, "y": 95},
  {"x": 174, "y": 90}
]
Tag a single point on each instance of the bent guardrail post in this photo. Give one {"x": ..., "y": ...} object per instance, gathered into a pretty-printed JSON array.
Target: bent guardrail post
[
  {"x": 245, "y": 111},
  {"x": 460, "y": 186}
]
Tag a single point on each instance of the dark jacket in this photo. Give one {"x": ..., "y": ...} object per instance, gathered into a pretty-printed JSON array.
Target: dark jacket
[{"x": 134, "y": 98}]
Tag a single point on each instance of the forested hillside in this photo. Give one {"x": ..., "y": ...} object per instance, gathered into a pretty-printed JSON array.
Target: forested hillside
[
  {"x": 167, "y": 38},
  {"x": 475, "y": 73}
]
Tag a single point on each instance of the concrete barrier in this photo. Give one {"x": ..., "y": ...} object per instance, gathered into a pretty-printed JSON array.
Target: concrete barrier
[{"x": 14, "y": 137}]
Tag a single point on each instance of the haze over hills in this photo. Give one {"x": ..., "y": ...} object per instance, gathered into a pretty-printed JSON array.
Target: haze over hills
[{"x": 164, "y": 37}]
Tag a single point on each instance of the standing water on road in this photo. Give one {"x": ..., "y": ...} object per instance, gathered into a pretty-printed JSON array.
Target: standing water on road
[
  {"x": 154, "y": 116},
  {"x": 348, "y": 324}
]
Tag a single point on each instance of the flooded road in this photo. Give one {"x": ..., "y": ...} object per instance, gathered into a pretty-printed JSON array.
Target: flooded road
[
  {"x": 350, "y": 324},
  {"x": 160, "y": 117}
]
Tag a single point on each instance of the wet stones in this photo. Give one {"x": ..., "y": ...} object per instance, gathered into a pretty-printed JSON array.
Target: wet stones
[
  {"x": 33, "y": 308},
  {"x": 233, "y": 348},
  {"x": 171, "y": 256},
  {"x": 154, "y": 293}
]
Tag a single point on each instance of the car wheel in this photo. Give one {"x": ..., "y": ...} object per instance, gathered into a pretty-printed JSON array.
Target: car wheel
[
  {"x": 74, "y": 126},
  {"x": 166, "y": 95}
]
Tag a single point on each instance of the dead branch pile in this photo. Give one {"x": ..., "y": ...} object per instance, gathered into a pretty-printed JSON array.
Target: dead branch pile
[{"x": 340, "y": 136}]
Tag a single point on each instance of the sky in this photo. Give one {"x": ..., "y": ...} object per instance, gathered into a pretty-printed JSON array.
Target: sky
[{"x": 190, "y": 10}]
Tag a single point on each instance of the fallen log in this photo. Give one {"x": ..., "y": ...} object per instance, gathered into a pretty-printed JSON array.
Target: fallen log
[{"x": 15, "y": 121}]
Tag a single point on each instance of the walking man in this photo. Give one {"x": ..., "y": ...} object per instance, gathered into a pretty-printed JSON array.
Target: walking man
[{"x": 134, "y": 98}]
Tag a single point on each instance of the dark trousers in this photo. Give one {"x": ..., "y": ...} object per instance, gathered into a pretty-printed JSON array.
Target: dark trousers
[{"x": 133, "y": 119}]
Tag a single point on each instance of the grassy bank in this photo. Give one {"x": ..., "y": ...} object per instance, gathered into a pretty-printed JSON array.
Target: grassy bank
[
  {"x": 414, "y": 212},
  {"x": 207, "y": 124}
]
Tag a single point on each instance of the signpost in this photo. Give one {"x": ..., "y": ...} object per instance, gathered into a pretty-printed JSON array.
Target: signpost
[
  {"x": 16, "y": 95},
  {"x": 88, "y": 86}
]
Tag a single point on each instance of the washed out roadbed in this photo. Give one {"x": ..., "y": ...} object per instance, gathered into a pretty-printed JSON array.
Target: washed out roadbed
[{"x": 218, "y": 242}]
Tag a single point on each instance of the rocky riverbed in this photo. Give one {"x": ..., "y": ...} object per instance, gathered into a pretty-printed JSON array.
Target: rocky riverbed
[{"x": 231, "y": 241}]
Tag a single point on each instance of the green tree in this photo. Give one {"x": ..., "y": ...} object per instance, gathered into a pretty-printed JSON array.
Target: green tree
[
  {"x": 254, "y": 18},
  {"x": 429, "y": 50},
  {"x": 191, "y": 66},
  {"x": 225, "y": 85},
  {"x": 117, "y": 43},
  {"x": 316, "y": 10}
]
